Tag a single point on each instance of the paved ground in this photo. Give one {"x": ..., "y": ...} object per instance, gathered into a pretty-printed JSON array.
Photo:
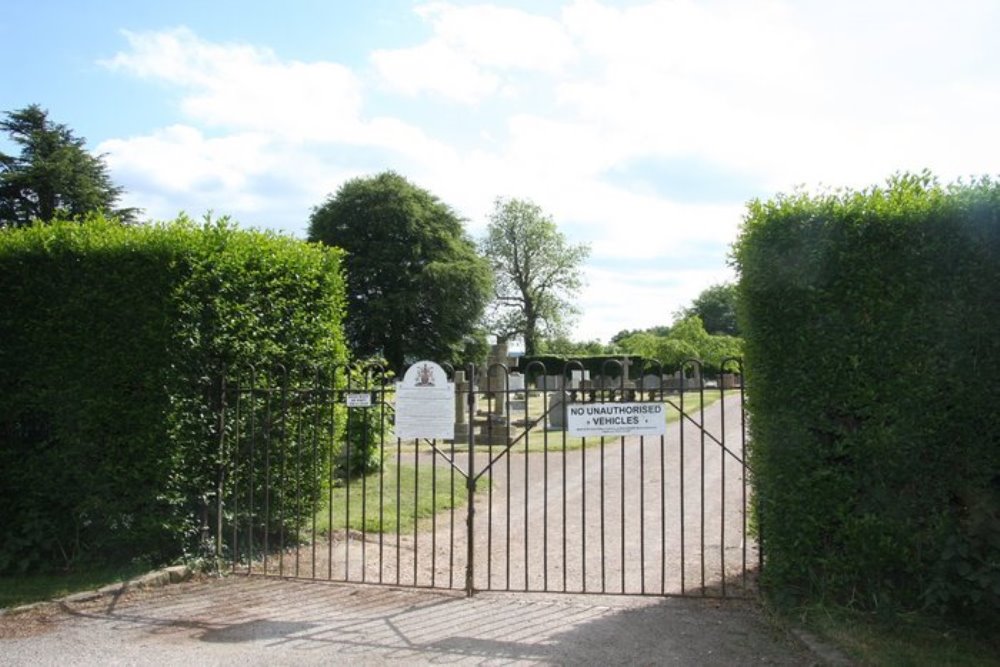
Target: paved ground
[{"x": 257, "y": 621}]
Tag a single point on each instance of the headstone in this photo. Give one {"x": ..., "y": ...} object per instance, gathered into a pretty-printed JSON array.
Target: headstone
[
  {"x": 652, "y": 382},
  {"x": 607, "y": 382},
  {"x": 516, "y": 382},
  {"x": 557, "y": 410},
  {"x": 496, "y": 377},
  {"x": 549, "y": 382},
  {"x": 626, "y": 365},
  {"x": 679, "y": 379}
]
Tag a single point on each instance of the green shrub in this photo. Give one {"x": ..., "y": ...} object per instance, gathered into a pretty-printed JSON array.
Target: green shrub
[
  {"x": 113, "y": 342},
  {"x": 871, "y": 349},
  {"x": 365, "y": 429}
]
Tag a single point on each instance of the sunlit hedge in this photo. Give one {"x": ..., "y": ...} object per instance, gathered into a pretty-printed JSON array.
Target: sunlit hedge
[
  {"x": 112, "y": 342},
  {"x": 872, "y": 352}
]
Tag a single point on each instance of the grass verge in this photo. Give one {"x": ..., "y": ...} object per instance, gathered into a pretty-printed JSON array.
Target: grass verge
[
  {"x": 904, "y": 639},
  {"x": 28, "y": 588}
]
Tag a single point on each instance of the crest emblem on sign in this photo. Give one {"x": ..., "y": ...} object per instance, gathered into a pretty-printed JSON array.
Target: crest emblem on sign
[{"x": 425, "y": 377}]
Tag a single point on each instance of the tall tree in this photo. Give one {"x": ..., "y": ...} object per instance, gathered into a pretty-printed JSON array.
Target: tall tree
[
  {"x": 716, "y": 306},
  {"x": 54, "y": 176},
  {"x": 537, "y": 272},
  {"x": 416, "y": 287}
]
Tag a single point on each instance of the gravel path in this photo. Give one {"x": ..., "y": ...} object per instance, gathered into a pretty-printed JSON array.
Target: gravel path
[
  {"x": 619, "y": 507},
  {"x": 267, "y": 621}
]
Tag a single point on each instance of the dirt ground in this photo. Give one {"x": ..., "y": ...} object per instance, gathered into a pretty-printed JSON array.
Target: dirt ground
[{"x": 264, "y": 621}]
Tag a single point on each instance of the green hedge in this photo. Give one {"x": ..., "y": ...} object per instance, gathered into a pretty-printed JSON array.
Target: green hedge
[
  {"x": 872, "y": 357},
  {"x": 597, "y": 365},
  {"x": 112, "y": 344}
]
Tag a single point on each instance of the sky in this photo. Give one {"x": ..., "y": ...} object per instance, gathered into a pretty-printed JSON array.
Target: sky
[{"x": 641, "y": 127}]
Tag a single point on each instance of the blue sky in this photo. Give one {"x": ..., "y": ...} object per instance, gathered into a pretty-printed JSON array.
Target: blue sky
[{"x": 641, "y": 127}]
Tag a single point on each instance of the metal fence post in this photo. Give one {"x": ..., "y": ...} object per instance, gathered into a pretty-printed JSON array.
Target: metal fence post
[
  {"x": 221, "y": 467},
  {"x": 470, "y": 488}
]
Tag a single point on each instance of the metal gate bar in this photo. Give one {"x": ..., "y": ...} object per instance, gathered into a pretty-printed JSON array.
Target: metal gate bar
[{"x": 612, "y": 515}]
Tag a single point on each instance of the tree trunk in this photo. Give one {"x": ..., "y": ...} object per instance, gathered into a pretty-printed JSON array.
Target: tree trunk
[{"x": 530, "y": 329}]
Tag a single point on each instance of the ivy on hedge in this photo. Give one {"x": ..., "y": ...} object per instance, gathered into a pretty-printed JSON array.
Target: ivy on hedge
[
  {"x": 112, "y": 345},
  {"x": 870, "y": 321}
]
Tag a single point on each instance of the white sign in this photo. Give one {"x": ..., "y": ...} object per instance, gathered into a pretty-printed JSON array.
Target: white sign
[
  {"x": 425, "y": 403},
  {"x": 616, "y": 419},
  {"x": 358, "y": 400}
]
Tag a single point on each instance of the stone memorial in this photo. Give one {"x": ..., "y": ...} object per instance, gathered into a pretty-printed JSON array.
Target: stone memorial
[{"x": 557, "y": 410}]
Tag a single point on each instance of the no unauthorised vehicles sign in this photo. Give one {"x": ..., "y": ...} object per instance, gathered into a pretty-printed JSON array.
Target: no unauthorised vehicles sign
[{"x": 616, "y": 419}]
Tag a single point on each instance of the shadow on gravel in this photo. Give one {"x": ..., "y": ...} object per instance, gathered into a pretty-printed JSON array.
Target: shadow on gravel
[
  {"x": 277, "y": 621},
  {"x": 256, "y": 631}
]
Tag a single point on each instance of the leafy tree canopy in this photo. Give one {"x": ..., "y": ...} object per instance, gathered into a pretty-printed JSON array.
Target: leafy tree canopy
[
  {"x": 662, "y": 330},
  {"x": 54, "y": 176},
  {"x": 563, "y": 346},
  {"x": 537, "y": 273},
  {"x": 686, "y": 340},
  {"x": 416, "y": 287},
  {"x": 716, "y": 306}
]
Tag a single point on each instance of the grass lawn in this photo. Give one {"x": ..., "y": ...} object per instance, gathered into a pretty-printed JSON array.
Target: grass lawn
[
  {"x": 24, "y": 589},
  {"x": 409, "y": 494}
]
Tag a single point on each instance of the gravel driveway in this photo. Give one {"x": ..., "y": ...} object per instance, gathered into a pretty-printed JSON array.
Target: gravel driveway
[
  {"x": 257, "y": 621},
  {"x": 620, "y": 509}
]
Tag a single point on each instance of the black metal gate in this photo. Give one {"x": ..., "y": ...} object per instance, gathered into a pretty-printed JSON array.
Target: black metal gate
[{"x": 316, "y": 486}]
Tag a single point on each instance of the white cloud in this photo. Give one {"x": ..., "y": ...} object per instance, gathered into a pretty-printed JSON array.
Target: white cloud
[
  {"x": 502, "y": 37},
  {"x": 503, "y": 101},
  {"x": 180, "y": 159},
  {"x": 249, "y": 88},
  {"x": 618, "y": 299},
  {"x": 260, "y": 182},
  {"x": 437, "y": 68},
  {"x": 773, "y": 89},
  {"x": 473, "y": 51}
]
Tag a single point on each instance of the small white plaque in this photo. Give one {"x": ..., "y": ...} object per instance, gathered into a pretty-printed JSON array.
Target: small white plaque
[{"x": 358, "y": 400}]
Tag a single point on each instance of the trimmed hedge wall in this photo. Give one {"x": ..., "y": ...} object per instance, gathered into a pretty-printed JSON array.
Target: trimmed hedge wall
[
  {"x": 597, "y": 365},
  {"x": 872, "y": 358},
  {"x": 112, "y": 343}
]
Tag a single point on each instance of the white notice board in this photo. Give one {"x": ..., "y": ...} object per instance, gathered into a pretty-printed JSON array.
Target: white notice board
[
  {"x": 425, "y": 403},
  {"x": 616, "y": 419}
]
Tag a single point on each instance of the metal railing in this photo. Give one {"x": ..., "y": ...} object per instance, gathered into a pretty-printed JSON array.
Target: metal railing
[{"x": 514, "y": 502}]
